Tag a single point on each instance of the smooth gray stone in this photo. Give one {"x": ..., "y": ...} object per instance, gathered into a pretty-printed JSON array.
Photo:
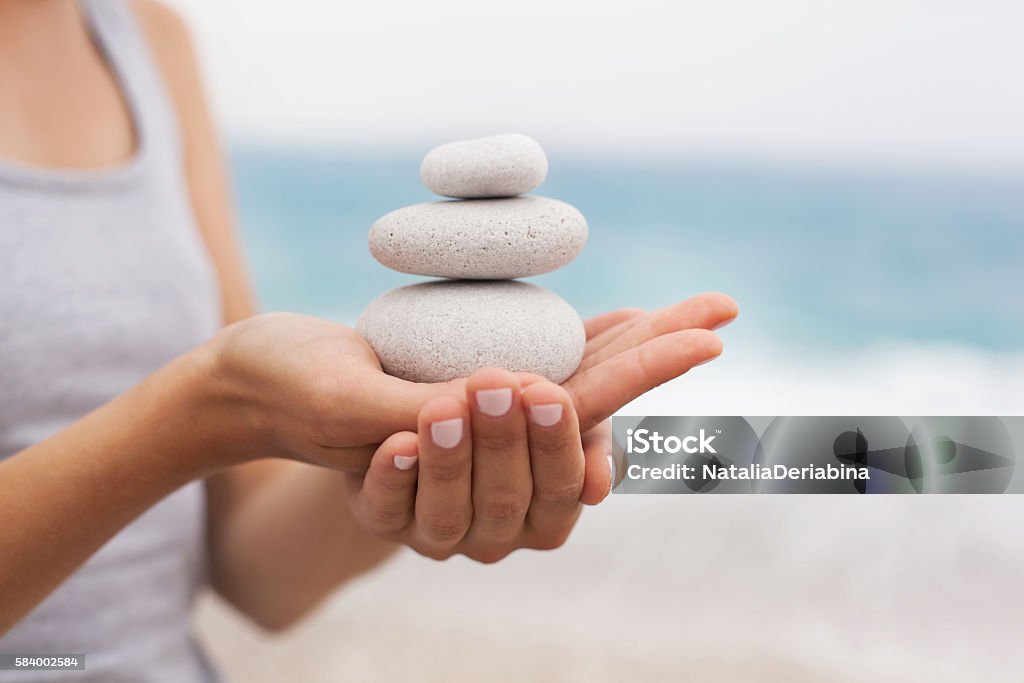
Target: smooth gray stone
[
  {"x": 495, "y": 166},
  {"x": 480, "y": 239},
  {"x": 440, "y": 330}
]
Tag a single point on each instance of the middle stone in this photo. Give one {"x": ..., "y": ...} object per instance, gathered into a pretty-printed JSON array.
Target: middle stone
[{"x": 480, "y": 239}]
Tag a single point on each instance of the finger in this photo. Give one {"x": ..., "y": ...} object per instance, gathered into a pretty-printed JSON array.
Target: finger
[
  {"x": 404, "y": 401},
  {"x": 395, "y": 404},
  {"x": 556, "y": 460},
  {"x": 599, "y": 323},
  {"x": 706, "y": 311},
  {"x": 597, "y": 448},
  {"x": 601, "y": 390},
  {"x": 354, "y": 459},
  {"x": 502, "y": 486},
  {"x": 444, "y": 509},
  {"x": 611, "y": 334},
  {"x": 384, "y": 498},
  {"x": 528, "y": 378}
]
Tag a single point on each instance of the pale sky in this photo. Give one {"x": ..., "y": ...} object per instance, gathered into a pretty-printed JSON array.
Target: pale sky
[{"x": 923, "y": 82}]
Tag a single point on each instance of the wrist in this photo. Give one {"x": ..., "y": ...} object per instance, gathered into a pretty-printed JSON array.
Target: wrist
[{"x": 208, "y": 406}]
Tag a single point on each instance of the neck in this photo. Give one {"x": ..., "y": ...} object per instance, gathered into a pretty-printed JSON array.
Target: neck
[{"x": 38, "y": 24}]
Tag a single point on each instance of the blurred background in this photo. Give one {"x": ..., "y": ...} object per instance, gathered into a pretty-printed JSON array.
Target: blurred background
[{"x": 852, "y": 173}]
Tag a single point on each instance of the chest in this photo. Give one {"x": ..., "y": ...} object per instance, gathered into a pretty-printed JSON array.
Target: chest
[
  {"x": 61, "y": 106},
  {"x": 97, "y": 290}
]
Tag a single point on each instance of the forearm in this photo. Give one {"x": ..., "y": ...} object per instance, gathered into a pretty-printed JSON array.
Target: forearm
[
  {"x": 63, "y": 498},
  {"x": 288, "y": 543}
]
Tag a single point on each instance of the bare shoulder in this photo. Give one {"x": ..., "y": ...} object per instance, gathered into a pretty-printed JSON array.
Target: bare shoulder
[
  {"x": 204, "y": 165},
  {"x": 170, "y": 40},
  {"x": 164, "y": 27}
]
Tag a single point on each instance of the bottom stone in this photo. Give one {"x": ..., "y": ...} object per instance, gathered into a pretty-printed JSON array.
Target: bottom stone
[{"x": 440, "y": 330}]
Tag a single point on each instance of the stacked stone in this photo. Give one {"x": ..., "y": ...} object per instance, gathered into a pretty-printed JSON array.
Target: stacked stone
[{"x": 481, "y": 316}]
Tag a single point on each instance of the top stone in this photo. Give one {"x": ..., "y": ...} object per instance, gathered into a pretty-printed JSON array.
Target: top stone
[{"x": 495, "y": 166}]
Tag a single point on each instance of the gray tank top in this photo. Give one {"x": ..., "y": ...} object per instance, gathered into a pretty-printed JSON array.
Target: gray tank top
[{"x": 103, "y": 279}]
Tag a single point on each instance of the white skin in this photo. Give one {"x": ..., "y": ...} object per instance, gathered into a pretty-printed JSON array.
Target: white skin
[{"x": 251, "y": 410}]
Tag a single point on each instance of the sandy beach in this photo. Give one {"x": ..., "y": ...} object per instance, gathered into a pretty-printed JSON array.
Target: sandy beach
[{"x": 728, "y": 588}]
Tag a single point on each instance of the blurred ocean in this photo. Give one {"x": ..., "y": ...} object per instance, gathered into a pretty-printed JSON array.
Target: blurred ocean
[{"x": 820, "y": 260}]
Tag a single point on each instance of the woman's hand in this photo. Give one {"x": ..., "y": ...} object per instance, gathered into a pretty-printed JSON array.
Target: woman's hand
[
  {"x": 294, "y": 386},
  {"x": 501, "y": 469},
  {"x": 289, "y": 385}
]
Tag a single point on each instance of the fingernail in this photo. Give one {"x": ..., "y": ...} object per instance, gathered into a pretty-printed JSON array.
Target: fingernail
[
  {"x": 406, "y": 462},
  {"x": 611, "y": 475},
  {"x": 447, "y": 433},
  {"x": 546, "y": 414},
  {"x": 705, "y": 362},
  {"x": 723, "y": 324},
  {"x": 494, "y": 402}
]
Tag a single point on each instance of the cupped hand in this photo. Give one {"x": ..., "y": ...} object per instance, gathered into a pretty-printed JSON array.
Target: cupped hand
[
  {"x": 502, "y": 468},
  {"x": 289, "y": 385}
]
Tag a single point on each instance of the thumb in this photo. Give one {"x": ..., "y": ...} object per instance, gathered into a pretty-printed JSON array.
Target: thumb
[{"x": 392, "y": 405}]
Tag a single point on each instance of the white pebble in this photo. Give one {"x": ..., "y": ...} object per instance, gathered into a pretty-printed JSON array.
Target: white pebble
[
  {"x": 481, "y": 239},
  {"x": 495, "y": 166},
  {"x": 441, "y": 330}
]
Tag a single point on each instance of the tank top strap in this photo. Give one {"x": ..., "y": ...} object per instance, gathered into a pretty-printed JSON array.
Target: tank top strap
[{"x": 120, "y": 39}]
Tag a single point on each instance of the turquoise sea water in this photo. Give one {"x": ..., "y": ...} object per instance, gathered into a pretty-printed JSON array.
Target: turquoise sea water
[{"x": 826, "y": 260}]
